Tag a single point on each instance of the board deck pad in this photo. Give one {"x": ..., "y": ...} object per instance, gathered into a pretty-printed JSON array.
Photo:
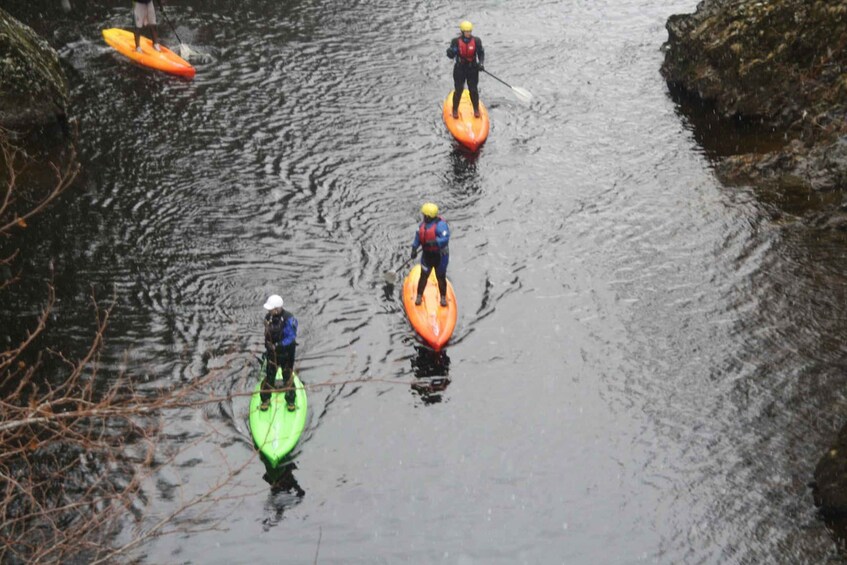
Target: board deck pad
[{"x": 276, "y": 431}]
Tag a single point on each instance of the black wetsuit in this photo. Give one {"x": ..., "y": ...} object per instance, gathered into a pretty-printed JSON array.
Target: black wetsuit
[
  {"x": 465, "y": 70},
  {"x": 278, "y": 329}
]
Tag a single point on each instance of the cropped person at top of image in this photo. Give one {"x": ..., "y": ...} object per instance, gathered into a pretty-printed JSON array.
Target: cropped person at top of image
[
  {"x": 145, "y": 15},
  {"x": 280, "y": 348},
  {"x": 432, "y": 237},
  {"x": 469, "y": 55}
]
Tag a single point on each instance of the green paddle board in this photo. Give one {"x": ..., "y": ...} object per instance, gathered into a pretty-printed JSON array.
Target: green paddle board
[{"x": 276, "y": 430}]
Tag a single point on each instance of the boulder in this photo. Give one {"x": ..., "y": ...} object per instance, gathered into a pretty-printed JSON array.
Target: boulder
[
  {"x": 780, "y": 63},
  {"x": 830, "y": 485},
  {"x": 33, "y": 86},
  {"x": 777, "y": 60}
]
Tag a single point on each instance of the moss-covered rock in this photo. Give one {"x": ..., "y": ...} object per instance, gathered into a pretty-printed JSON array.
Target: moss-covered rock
[
  {"x": 33, "y": 87},
  {"x": 830, "y": 485},
  {"x": 774, "y": 59},
  {"x": 780, "y": 62}
]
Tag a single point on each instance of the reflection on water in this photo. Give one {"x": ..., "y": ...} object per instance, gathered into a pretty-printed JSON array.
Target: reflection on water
[
  {"x": 432, "y": 371},
  {"x": 464, "y": 161},
  {"x": 463, "y": 178},
  {"x": 720, "y": 136},
  {"x": 284, "y": 495}
]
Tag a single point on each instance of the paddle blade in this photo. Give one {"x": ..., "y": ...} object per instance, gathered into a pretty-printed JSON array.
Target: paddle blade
[
  {"x": 390, "y": 277},
  {"x": 522, "y": 94},
  {"x": 184, "y": 51}
]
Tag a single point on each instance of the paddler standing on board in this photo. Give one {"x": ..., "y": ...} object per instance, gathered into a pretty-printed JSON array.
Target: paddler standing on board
[
  {"x": 469, "y": 55},
  {"x": 145, "y": 15},
  {"x": 432, "y": 237},
  {"x": 280, "y": 346}
]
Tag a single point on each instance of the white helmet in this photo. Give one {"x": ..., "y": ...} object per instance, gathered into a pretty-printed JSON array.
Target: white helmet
[{"x": 274, "y": 301}]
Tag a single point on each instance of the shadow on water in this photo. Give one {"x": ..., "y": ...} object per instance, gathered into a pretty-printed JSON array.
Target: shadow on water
[
  {"x": 388, "y": 287},
  {"x": 720, "y": 136},
  {"x": 463, "y": 158},
  {"x": 286, "y": 493},
  {"x": 463, "y": 168},
  {"x": 432, "y": 371}
]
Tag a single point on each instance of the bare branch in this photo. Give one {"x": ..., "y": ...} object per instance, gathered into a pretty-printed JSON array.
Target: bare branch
[{"x": 77, "y": 450}]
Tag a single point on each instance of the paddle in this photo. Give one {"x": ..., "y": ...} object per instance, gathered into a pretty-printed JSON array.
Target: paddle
[
  {"x": 391, "y": 276},
  {"x": 523, "y": 94},
  {"x": 184, "y": 51}
]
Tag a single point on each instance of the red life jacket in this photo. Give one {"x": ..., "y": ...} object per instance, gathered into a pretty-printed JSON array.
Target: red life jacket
[
  {"x": 427, "y": 235},
  {"x": 467, "y": 51}
]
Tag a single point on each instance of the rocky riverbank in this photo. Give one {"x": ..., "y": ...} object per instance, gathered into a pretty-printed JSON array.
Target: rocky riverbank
[
  {"x": 831, "y": 479},
  {"x": 780, "y": 63},
  {"x": 783, "y": 64},
  {"x": 33, "y": 86}
]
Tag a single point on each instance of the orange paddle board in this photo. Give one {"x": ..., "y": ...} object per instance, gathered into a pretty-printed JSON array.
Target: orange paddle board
[
  {"x": 165, "y": 60},
  {"x": 433, "y": 322},
  {"x": 469, "y": 131}
]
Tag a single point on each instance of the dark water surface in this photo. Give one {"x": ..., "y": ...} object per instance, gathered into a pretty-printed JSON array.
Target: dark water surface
[{"x": 647, "y": 364}]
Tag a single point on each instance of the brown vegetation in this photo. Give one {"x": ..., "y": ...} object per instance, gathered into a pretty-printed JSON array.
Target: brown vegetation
[{"x": 76, "y": 447}]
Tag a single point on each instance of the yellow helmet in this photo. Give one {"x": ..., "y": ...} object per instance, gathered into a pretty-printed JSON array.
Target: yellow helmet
[
  {"x": 466, "y": 26},
  {"x": 429, "y": 210}
]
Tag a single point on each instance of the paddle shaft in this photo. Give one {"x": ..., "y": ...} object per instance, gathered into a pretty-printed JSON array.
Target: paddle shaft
[
  {"x": 404, "y": 263},
  {"x": 167, "y": 19},
  {"x": 498, "y": 79},
  {"x": 391, "y": 276},
  {"x": 523, "y": 94}
]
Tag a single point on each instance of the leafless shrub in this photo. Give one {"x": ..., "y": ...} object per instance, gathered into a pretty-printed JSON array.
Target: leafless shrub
[{"x": 76, "y": 447}]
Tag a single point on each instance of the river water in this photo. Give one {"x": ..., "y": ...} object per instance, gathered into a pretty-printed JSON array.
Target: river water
[{"x": 647, "y": 363}]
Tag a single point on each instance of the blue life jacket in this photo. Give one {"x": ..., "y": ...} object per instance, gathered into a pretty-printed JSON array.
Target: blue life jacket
[{"x": 281, "y": 330}]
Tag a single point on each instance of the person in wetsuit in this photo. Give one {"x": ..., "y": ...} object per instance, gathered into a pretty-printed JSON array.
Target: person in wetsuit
[
  {"x": 432, "y": 237},
  {"x": 469, "y": 55},
  {"x": 280, "y": 345}
]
